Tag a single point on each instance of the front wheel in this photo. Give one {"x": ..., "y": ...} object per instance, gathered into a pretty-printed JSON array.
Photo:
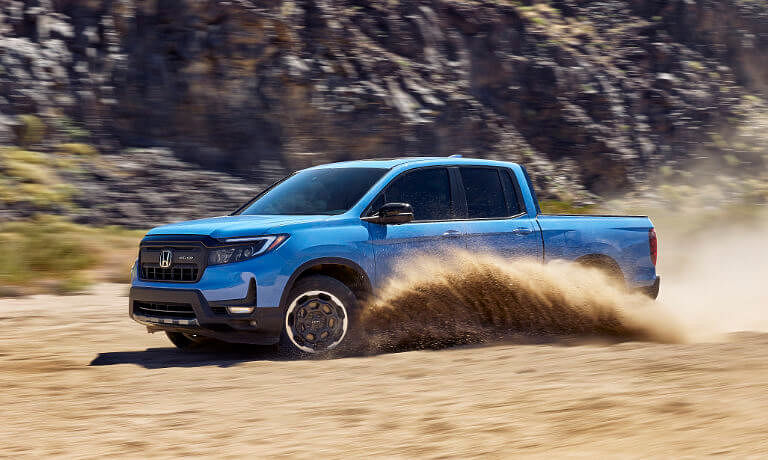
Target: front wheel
[{"x": 318, "y": 318}]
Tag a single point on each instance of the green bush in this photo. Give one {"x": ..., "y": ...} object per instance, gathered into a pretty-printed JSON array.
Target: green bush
[
  {"x": 74, "y": 284},
  {"x": 26, "y": 156},
  {"x": 80, "y": 149},
  {"x": 29, "y": 172},
  {"x": 564, "y": 207},
  {"x": 47, "y": 197},
  {"x": 31, "y": 177},
  {"x": 48, "y": 248},
  {"x": 71, "y": 128},
  {"x": 31, "y": 131},
  {"x": 40, "y": 246},
  {"x": 731, "y": 160}
]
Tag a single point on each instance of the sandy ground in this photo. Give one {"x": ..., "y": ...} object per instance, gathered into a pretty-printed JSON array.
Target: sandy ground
[{"x": 79, "y": 379}]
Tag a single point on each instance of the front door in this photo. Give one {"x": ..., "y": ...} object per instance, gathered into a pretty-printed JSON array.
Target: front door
[{"x": 432, "y": 233}]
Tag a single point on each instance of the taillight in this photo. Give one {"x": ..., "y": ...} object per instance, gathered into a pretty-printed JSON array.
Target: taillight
[{"x": 653, "y": 244}]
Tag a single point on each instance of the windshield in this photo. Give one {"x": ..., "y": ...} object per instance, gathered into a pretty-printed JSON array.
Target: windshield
[{"x": 324, "y": 191}]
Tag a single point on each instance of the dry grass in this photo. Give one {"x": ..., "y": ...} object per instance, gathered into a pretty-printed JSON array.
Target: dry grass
[
  {"x": 79, "y": 149},
  {"x": 50, "y": 254}
]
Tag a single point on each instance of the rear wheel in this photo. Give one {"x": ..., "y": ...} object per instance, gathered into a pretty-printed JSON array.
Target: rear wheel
[
  {"x": 187, "y": 341},
  {"x": 609, "y": 267},
  {"x": 318, "y": 317}
]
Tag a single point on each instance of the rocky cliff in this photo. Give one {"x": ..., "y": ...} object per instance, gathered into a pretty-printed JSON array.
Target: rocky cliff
[{"x": 594, "y": 96}]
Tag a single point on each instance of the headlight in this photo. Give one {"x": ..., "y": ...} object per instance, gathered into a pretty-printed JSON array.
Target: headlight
[{"x": 239, "y": 249}]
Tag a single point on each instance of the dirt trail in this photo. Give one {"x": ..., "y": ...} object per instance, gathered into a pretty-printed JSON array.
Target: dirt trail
[{"x": 80, "y": 379}]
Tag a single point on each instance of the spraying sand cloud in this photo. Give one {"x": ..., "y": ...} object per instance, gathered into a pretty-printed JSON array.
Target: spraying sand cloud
[
  {"x": 468, "y": 298},
  {"x": 715, "y": 276},
  {"x": 714, "y": 266}
]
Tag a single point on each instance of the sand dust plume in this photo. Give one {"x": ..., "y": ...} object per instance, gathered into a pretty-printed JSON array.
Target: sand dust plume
[
  {"x": 471, "y": 299},
  {"x": 714, "y": 277}
]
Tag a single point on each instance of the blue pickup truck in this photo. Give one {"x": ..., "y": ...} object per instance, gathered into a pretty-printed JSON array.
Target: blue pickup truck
[{"x": 291, "y": 267}]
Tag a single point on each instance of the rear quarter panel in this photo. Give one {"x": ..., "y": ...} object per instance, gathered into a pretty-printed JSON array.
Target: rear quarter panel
[{"x": 624, "y": 239}]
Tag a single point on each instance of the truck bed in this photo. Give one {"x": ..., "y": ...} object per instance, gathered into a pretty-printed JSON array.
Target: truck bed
[{"x": 623, "y": 238}]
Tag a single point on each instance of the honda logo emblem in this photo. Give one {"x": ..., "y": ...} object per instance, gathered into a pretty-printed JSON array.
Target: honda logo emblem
[{"x": 166, "y": 258}]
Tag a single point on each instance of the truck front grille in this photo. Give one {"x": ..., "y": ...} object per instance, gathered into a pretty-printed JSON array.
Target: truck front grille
[
  {"x": 180, "y": 273},
  {"x": 184, "y": 262},
  {"x": 167, "y": 310}
]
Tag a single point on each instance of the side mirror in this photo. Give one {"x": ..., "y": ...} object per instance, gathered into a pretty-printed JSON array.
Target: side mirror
[{"x": 391, "y": 213}]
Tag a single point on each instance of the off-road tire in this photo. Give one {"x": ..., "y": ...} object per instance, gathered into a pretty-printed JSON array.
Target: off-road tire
[{"x": 316, "y": 305}]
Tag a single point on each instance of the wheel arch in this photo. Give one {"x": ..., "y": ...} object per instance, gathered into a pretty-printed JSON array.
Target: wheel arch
[
  {"x": 343, "y": 270},
  {"x": 603, "y": 262}
]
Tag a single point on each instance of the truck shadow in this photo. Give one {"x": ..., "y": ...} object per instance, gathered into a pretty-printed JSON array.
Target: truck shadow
[
  {"x": 226, "y": 355},
  {"x": 161, "y": 358}
]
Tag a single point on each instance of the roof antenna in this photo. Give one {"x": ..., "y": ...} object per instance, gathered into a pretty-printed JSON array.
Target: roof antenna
[{"x": 456, "y": 156}]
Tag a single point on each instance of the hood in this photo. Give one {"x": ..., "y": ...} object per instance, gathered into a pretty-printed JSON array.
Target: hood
[{"x": 234, "y": 226}]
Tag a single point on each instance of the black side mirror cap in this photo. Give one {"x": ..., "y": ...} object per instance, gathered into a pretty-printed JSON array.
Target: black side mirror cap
[{"x": 391, "y": 214}]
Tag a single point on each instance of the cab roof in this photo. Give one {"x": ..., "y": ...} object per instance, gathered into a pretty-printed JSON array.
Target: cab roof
[{"x": 389, "y": 163}]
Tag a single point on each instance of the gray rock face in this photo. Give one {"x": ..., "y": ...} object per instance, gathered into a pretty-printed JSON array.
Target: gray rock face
[
  {"x": 589, "y": 95},
  {"x": 143, "y": 188}
]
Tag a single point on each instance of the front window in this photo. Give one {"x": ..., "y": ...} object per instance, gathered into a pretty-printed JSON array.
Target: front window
[
  {"x": 326, "y": 191},
  {"x": 428, "y": 191}
]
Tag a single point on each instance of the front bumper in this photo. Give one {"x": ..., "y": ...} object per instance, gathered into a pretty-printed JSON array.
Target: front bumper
[{"x": 262, "y": 327}]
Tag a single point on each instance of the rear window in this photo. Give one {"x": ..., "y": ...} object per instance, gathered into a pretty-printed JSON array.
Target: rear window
[
  {"x": 484, "y": 192},
  {"x": 512, "y": 198}
]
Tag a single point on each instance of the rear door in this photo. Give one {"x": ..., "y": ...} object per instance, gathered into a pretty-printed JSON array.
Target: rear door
[
  {"x": 435, "y": 231},
  {"x": 497, "y": 219}
]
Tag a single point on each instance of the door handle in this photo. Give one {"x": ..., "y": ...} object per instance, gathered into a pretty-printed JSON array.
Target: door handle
[
  {"x": 522, "y": 231},
  {"x": 452, "y": 233}
]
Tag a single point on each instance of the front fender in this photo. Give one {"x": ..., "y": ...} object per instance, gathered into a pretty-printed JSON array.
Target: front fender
[{"x": 320, "y": 261}]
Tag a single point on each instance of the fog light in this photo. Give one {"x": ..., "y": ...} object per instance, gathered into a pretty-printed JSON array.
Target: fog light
[{"x": 240, "y": 310}]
